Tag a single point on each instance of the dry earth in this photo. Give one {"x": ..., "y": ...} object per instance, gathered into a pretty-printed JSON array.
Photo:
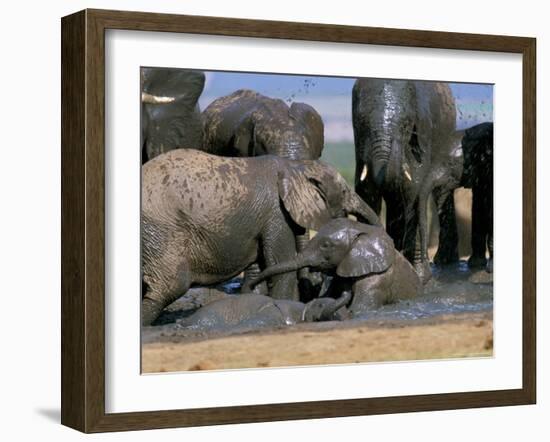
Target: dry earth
[{"x": 451, "y": 336}]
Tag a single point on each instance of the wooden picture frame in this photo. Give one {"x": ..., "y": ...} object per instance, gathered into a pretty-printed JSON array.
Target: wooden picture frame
[{"x": 83, "y": 220}]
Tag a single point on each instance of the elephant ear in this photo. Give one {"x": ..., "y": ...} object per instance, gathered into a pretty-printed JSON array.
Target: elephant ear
[
  {"x": 302, "y": 198},
  {"x": 313, "y": 126},
  {"x": 369, "y": 253}
]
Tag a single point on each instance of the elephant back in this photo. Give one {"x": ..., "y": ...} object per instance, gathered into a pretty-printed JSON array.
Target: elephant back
[{"x": 246, "y": 123}]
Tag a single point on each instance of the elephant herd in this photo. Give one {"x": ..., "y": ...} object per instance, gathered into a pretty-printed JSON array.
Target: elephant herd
[{"x": 238, "y": 187}]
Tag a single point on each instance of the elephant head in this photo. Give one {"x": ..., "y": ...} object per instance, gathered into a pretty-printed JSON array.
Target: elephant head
[
  {"x": 390, "y": 148},
  {"x": 170, "y": 111},
  {"x": 324, "y": 309},
  {"x": 313, "y": 193},
  {"x": 349, "y": 248}
]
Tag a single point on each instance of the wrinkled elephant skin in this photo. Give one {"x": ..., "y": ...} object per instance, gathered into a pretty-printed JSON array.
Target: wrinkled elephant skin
[
  {"x": 206, "y": 218},
  {"x": 252, "y": 311},
  {"x": 362, "y": 259},
  {"x": 406, "y": 149}
]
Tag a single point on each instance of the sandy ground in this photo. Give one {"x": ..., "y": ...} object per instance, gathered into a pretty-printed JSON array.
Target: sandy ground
[{"x": 451, "y": 336}]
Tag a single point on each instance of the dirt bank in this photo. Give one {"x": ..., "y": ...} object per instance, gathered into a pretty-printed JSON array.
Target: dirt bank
[{"x": 448, "y": 336}]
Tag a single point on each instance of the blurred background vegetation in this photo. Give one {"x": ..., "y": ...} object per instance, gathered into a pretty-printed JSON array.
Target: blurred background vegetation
[{"x": 342, "y": 156}]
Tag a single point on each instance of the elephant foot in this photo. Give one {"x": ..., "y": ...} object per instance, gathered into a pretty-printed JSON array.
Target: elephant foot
[
  {"x": 150, "y": 310},
  {"x": 261, "y": 289},
  {"x": 444, "y": 257},
  {"x": 476, "y": 262},
  {"x": 424, "y": 271}
]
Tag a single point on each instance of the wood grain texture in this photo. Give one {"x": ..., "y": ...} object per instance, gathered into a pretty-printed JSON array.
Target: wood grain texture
[
  {"x": 529, "y": 220},
  {"x": 83, "y": 218},
  {"x": 73, "y": 128}
]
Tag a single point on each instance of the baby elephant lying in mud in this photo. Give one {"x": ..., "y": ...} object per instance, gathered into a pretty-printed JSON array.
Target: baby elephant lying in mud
[
  {"x": 252, "y": 311},
  {"x": 362, "y": 259}
]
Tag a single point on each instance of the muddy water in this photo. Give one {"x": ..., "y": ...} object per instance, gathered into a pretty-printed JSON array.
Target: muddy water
[{"x": 452, "y": 291}]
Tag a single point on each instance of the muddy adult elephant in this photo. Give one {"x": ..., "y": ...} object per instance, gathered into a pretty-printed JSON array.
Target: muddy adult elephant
[
  {"x": 406, "y": 149},
  {"x": 252, "y": 312},
  {"x": 170, "y": 114},
  {"x": 246, "y": 124},
  {"x": 206, "y": 218},
  {"x": 362, "y": 259},
  {"x": 477, "y": 145}
]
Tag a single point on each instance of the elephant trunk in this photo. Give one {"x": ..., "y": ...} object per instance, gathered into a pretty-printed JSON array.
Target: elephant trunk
[
  {"x": 363, "y": 211},
  {"x": 379, "y": 153},
  {"x": 330, "y": 310},
  {"x": 284, "y": 267},
  {"x": 394, "y": 174}
]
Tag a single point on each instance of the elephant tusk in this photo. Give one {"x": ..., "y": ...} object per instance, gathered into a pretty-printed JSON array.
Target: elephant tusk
[
  {"x": 363, "y": 173},
  {"x": 407, "y": 173},
  {"x": 154, "y": 99}
]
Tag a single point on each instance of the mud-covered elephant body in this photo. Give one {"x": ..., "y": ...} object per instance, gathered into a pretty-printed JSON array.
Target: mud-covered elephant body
[
  {"x": 253, "y": 311},
  {"x": 361, "y": 259},
  {"x": 246, "y": 124},
  {"x": 477, "y": 145},
  {"x": 406, "y": 149},
  {"x": 206, "y": 218},
  {"x": 170, "y": 114}
]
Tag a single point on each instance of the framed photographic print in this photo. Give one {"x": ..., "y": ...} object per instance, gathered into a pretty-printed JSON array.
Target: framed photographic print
[{"x": 270, "y": 220}]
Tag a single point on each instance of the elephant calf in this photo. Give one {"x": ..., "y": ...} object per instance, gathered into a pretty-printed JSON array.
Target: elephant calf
[
  {"x": 252, "y": 311},
  {"x": 362, "y": 258}
]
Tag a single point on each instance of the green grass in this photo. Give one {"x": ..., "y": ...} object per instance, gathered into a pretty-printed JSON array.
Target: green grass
[{"x": 341, "y": 156}]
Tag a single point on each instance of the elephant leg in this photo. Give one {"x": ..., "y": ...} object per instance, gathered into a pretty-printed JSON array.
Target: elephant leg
[
  {"x": 447, "y": 249},
  {"x": 251, "y": 274},
  {"x": 161, "y": 292},
  {"x": 301, "y": 242},
  {"x": 309, "y": 283},
  {"x": 479, "y": 229},
  {"x": 489, "y": 212},
  {"x": 279, "y": 245}
]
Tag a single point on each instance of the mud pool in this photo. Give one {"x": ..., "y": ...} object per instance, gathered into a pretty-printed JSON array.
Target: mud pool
[{"x": 454, "y": 291}]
